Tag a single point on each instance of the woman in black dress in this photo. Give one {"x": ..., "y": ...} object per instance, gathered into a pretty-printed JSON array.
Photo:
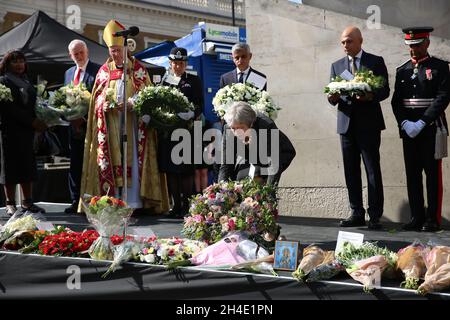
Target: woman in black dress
[{"x": 17, "y": 125}]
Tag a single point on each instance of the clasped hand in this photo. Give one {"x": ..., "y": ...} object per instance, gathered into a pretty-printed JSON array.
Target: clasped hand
[
  {"x": 412, "y": 129},
  {"x": 186, "y": 115},
  {"x": 367, "y": 96},
  {"x": 130, "y": 105}
]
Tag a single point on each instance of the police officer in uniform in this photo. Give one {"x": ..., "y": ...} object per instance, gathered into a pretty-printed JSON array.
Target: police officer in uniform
[
  {"x": 180, "y": 177},
  {"x": 422, "y": 93}
]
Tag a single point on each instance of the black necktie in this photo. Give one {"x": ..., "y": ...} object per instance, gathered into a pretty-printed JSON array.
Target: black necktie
[{"x": 241, "y": 77}]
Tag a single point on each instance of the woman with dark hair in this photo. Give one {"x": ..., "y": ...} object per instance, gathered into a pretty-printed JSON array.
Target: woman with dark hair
[{"x": 17, "y": 125}]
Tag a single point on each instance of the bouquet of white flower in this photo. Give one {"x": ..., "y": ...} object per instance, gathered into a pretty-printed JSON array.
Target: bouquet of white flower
[
  {"x": 159, "y": 106},
  {"x": 71, "y": 101},
  {"x": 5, "y": 93},
  {"x": 49, "y": 115},
  {"x": 259, "y": 100},
  {"x": 363, "y": 82},
  {"x": 17, "y": 223}
]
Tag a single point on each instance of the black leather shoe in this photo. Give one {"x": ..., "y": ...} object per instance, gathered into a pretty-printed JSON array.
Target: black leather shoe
[
  {"x": 175, "y": 213},
  {"x": 353, "y": 221},
  {"x": 413, "y": 225},
  {"x": 374, "y": 225},
  {"x": 430, "y": 227},
  {"x": 72, "y": 209}
]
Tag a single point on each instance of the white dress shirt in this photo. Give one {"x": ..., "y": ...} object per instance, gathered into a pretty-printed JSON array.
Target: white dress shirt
[{"x": 83, "y": 71}]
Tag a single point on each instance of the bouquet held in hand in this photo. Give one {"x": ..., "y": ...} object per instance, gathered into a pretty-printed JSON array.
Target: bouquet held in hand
[
  {"x": 259, "y": 100},
  {"x": 71, "y": 101},
  {"x": 159, "y": 106},
  {"x": 5, "y": 93},
  {"x": 44, "y": 111},
  {"x": 363, "y": 82}
]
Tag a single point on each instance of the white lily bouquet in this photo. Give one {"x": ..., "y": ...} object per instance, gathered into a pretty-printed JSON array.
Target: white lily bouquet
[
  {"x": 159, "y": 106},
  {"x": 5, "y": 93},
  {"x": 43, "y": 111},
  {"x": 259, "y": 100},
  {"x": 71, "y": 101},
  {"x": 364, "y": 81}
]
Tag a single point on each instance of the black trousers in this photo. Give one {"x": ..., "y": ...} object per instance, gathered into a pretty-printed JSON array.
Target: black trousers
[
  {"x": 366, "y": 145},
  {"x": 76, "y": 144},
  {"x": 418, "y": 154}
]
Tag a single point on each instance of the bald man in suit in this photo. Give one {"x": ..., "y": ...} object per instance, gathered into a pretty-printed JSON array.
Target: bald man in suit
[{"x": 359, "y": 123}]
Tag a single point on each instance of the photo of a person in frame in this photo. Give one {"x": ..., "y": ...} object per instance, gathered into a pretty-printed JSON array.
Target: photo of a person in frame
[
  {"x": 286, "y": 255},
  {"x": 285, "y": 261}
]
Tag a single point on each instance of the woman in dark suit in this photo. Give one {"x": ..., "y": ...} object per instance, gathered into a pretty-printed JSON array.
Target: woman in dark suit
[
  {"x": 180, "y": 177},
  {"x": 17, "y": 125},
  {"x": 253, "y": 146}
]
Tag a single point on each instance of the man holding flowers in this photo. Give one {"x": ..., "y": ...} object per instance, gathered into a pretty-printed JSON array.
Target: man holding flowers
[
  {"x": 84, "y": 71},
  {"x": 359, "y": 123}
]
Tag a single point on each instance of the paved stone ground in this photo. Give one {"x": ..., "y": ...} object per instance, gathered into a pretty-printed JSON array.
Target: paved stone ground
[{"x": 305, "y": 230}]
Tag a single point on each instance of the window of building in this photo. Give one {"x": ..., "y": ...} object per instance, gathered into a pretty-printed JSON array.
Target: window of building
[{"x": 100, "y": 36}]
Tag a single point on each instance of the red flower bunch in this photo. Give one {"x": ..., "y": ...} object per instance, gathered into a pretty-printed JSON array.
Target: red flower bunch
[
  {"x": 68, "y": 243},
  {"x": 116, "y": 240}
]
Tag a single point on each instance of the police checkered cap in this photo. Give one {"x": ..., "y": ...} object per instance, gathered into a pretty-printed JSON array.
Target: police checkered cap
[{"x": 178, "y": 54}]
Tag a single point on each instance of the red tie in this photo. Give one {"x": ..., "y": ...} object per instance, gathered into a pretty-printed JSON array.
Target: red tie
[{"x": 77, "y": 77}]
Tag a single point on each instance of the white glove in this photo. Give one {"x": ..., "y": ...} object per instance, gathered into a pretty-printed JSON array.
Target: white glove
[
  {"x": 146, "y": 118},
  {"x": 186, "y": 115},
  {"x": 407, "y": 126},
  {"x": 418, "y": 126},
  {"x": 412, "y": 129}
]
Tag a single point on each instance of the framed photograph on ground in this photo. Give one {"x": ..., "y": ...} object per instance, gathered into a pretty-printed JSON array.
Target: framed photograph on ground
[{"x": 286, "y": 255}]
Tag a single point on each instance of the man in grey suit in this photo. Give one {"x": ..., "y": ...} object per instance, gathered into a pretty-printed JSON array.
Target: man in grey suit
[
  {"x": 359, "y": 123},
  {"x": 84, "y": 71},
  {"x": 241, "y": 58}
]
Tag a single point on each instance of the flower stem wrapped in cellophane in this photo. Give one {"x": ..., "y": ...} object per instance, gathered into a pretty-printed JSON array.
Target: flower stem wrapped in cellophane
[
  {"x": 19, "y": 222},
  {"x": 234, "y": 251},
  {"x": 437, "y": 277},
  {"x": 128, "y": 250},
  {"x": 326, "y": 270},
  {"x": 312, "y": 257},
  {"x": 108, "y": 215},
  {"x": 363, "y": 263},
  {"x": 411, "y": 263},
  {"x": 47, "y": 114}
]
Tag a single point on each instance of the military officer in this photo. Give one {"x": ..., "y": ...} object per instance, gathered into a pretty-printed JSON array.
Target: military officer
[{"x": 422, "y": 93}]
